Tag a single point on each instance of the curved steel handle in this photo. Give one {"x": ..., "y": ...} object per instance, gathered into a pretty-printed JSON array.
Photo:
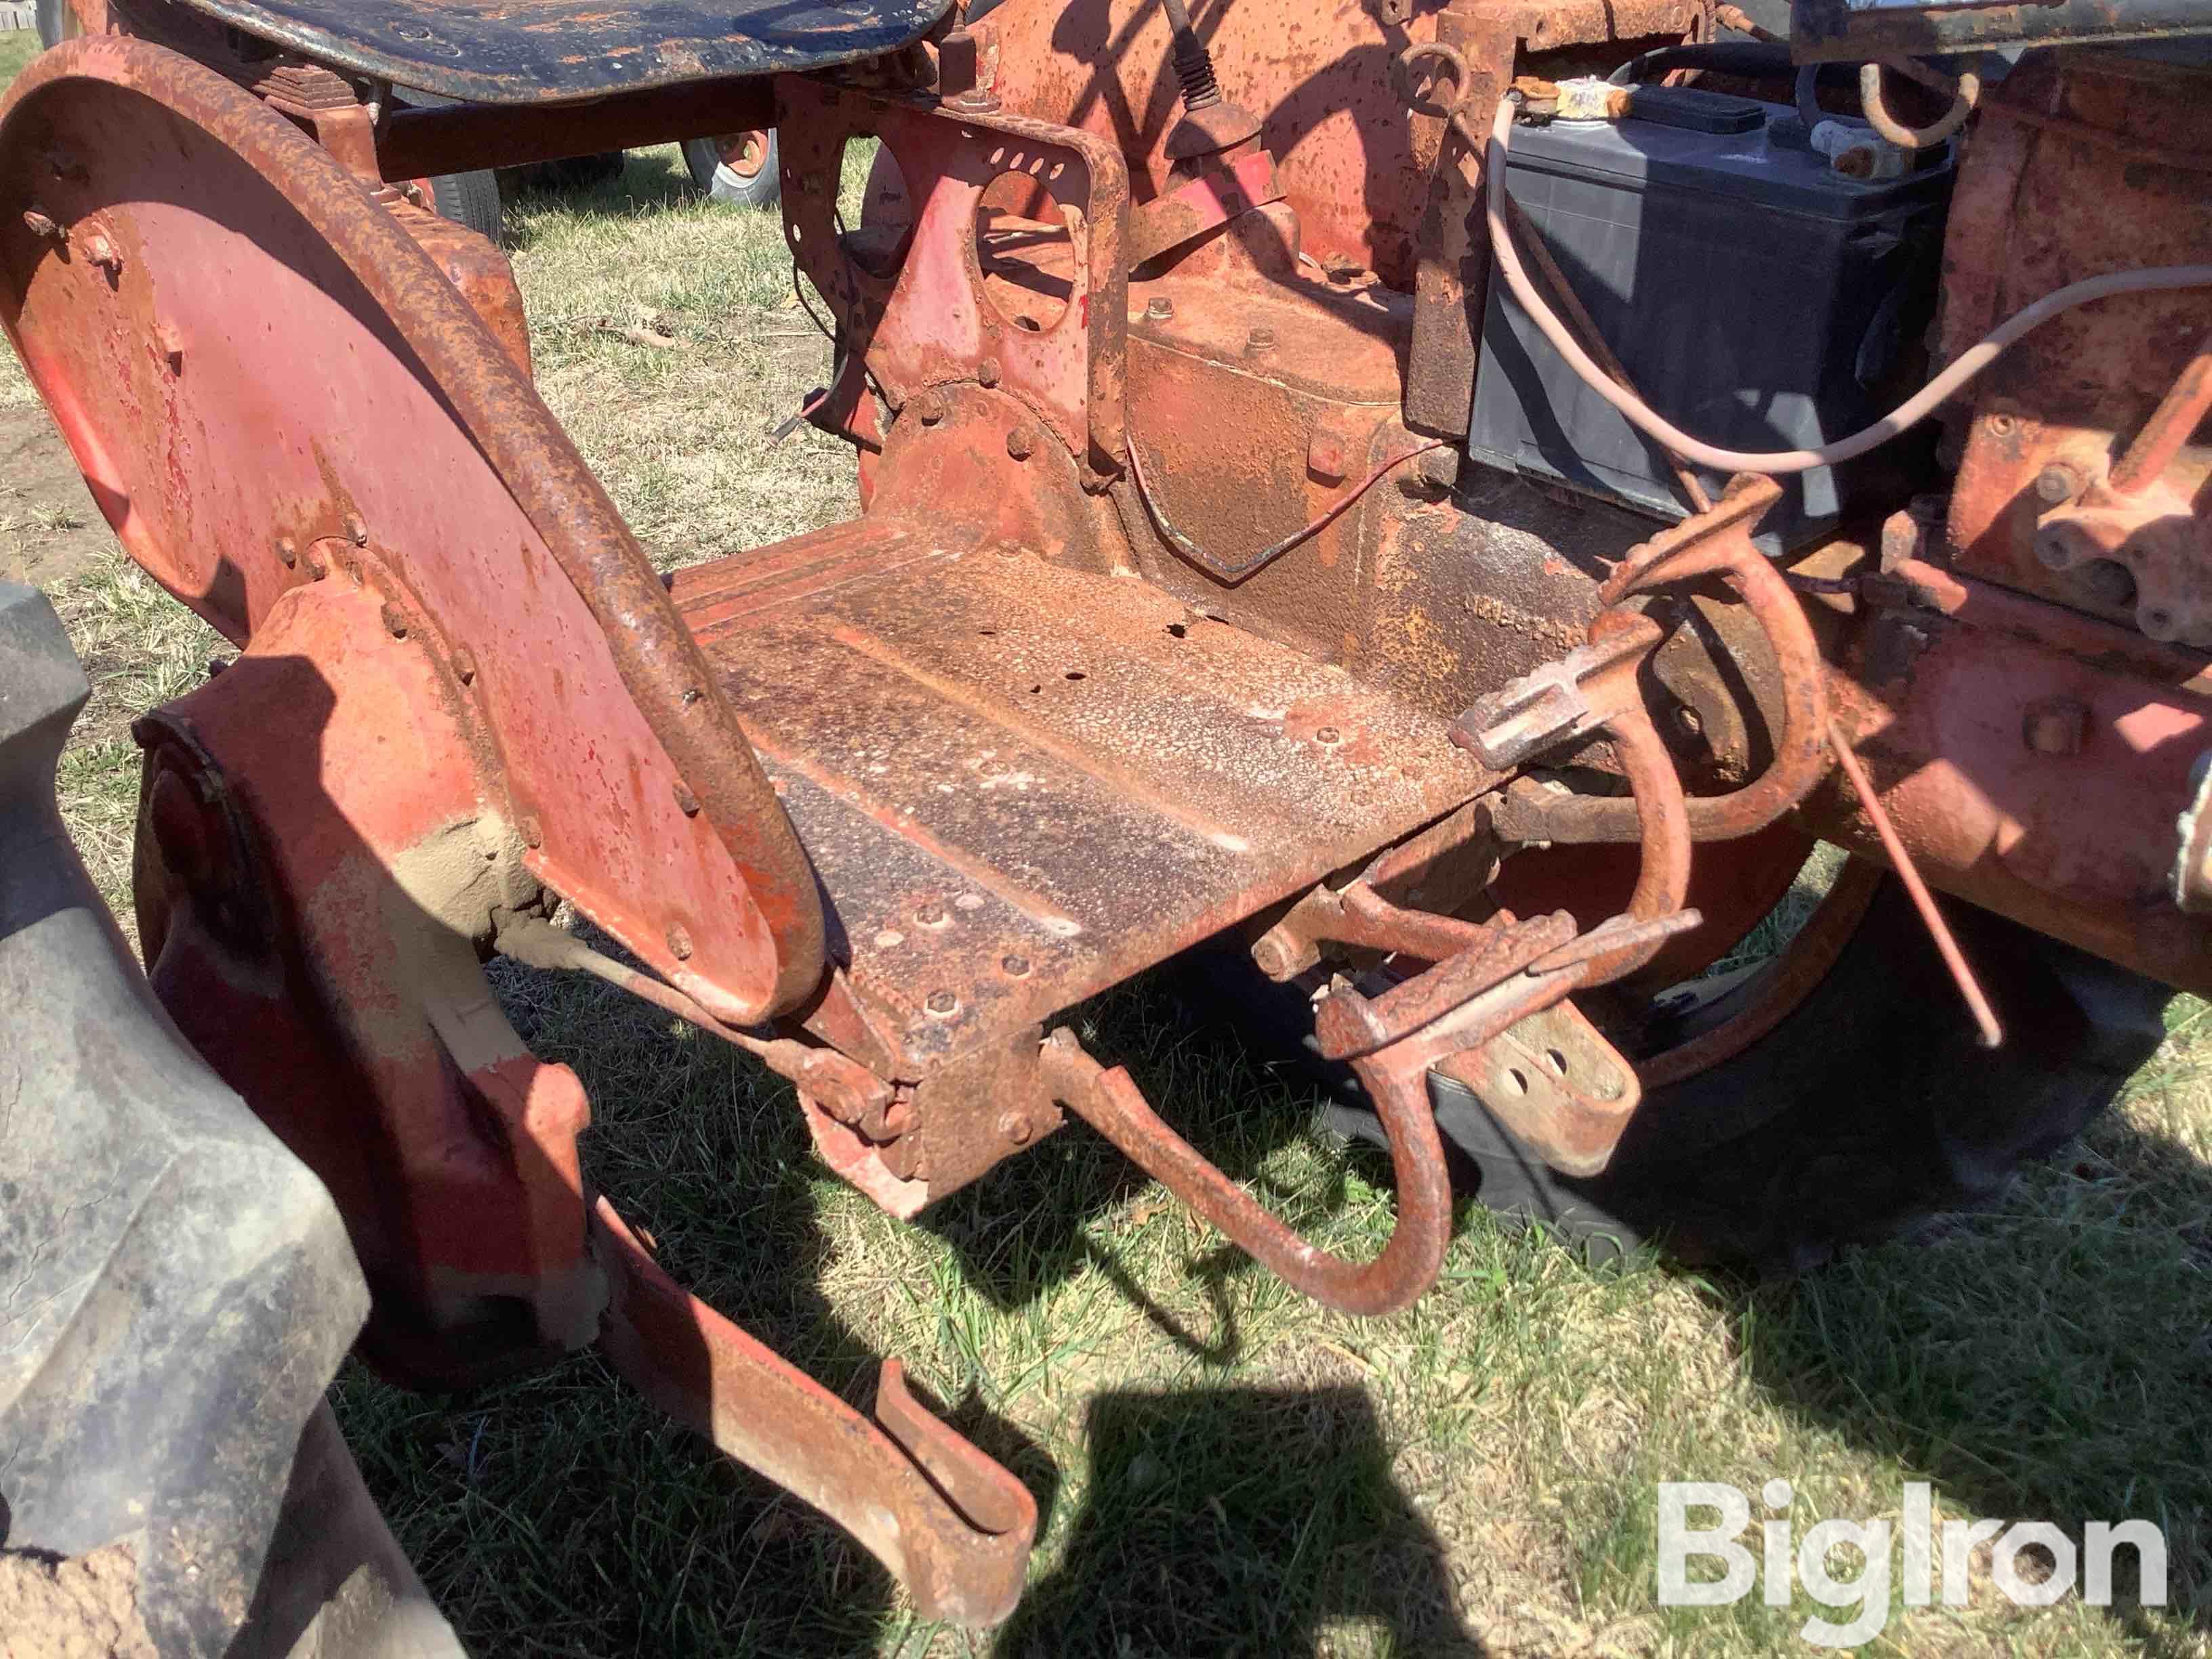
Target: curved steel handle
[{"x": 1110, "y": 1102}]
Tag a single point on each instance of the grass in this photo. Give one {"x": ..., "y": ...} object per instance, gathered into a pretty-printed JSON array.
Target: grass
[{"x": 1221, "y": 1466}]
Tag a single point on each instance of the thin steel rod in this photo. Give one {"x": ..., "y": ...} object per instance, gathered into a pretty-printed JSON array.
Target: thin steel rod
[{"x": 1922, "y": 900}]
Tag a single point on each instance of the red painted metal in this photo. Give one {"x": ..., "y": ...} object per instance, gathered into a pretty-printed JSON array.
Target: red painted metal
[
  {"x": 2080, "y": 164},
  {"x": 931, "y": 322},
  {"x": 263, "y": 308},
  {"x": 2077, "y": 839},
  {"x": 950, "y": 1524},
  {"x": 317, "y": 861}
]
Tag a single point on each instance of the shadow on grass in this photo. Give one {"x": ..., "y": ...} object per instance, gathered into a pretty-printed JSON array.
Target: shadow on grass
[
  {"x": 1240, "y": 1521},
  {"x": 560, "y": 1513},
  {"x": 2047, "y": 1358},
  {"x": 594, "y": 188}
]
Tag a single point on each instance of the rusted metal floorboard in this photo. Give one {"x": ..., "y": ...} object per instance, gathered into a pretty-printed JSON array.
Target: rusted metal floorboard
[{"x": 1021, "y": 784}]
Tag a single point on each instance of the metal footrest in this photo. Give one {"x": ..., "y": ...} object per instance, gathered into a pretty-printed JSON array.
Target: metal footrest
[{"x": 1021, "y": 784}]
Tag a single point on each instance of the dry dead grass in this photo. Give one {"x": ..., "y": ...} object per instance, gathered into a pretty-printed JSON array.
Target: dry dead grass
[{"x": 1222, "y": 1468}]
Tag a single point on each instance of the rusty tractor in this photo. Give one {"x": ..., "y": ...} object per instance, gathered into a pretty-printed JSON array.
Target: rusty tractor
[{"x": 1443, "y": 508}]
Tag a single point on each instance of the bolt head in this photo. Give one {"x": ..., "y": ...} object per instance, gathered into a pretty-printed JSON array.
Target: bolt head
[
  {"x": 987, "y": 371},
  {"x": 40, "y": 226},
  {"x": 2058, "y": 725},
  {"x": 356, "y": 530},
  {"x": 464, "y": 665},
  {"x": 395, "y": 620},
  {"x": 533, "y": 832},
  {"x": 1015, "y": 967},
  {"x": 1159, "y": 308},
  {"x": 1020, "y": 444},
  {"x": 943, "y": 1003},
  {"x": 930, "y": 913},
  {"x": 1329, "y": 734},
  {"x": 679, "y": 942},
  {"x": 1015, "y": 1127},
  {"x": 686, "y": 802},
  {"x": 287, "y": 551},
  {"x": 2057, "y": 483},
  {"x": 1259, "y": 340},
  {"x": 929, "y": 408}
]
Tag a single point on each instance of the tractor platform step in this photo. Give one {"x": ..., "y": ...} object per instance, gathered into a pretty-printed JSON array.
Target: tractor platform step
[{"x": 1020, "y": 784}]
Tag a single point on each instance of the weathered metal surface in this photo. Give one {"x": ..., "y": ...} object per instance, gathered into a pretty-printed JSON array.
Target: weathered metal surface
[
  {"x": 1351, "y": 165},
  {"x": 1563, "y": 702},
  {"x": 1213, "y": 196},
  {"x": 316, "y": 862},
  {"x": 1395, "y": 1278},
  {"x": 1718, "y": 540},
  {"x": 1451, "y": 280},
  {"x": 1821, "y": 30},
  {"x": 1021, "y": 783},
  {"x": 1553, "y": 1080},
  {"x": 256, "y": 309},
  {"x": 931, "y": 320},
  {"x": 2076, "y": 839},
  {"x": 547, "y": 51},
  {"x": 1350, "y": 1026},
  {"x": 2141, "y": 515},
  {"x": 2075, "y": 171},
  {"x": 951, "y": 1525},
  {"x": 479, "y": 271}
]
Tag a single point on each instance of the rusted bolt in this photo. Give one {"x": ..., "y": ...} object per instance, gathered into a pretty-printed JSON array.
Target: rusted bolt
[
  {"x": 679, "y": 941},
  {"x": 464, "y": 665},
  {"x": 356, "y": 530},
  {"x": 2056, "y": 726},
  {"x": 1329, "y": 734},
  {"x": 533, "y": 832},
  {"x": 395, "y": 620},
  {"x": 2002, "y": 425},
  {"x": 1015, "y": 1126},
  {"x": 287, "y": 551},
  {"x": 987, "y": 371},
  {"x": 1689, "y": 720},
  {"x": 1020, "y": 444},
  {"x": 1270, "y": 955},
  {"x": 686, "y": 802},
  {"x": 929, "y": 408},
  {"x": 1260, "y": 339},
  {"x": 1159, "y": 308},
  {"x": 2054, "y": 547},
  {"x": 943, "y": 1003},
  {"x": 318, "y": 564},
  {"x": 930, "y": 913},
  {"x": 40, "y": 226},
  {"x": 2057, "y": 483},
  {"x": 102, "y": 252},
  {"x": 1015, "y": 967}
]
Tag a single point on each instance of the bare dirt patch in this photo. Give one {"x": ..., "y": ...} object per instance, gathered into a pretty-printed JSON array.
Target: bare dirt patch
[
  {"x": 84, "y": 1608},
  {"x": 50, "y": 531}
]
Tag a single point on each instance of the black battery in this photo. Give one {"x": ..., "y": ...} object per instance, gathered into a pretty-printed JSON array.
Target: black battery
[{"x": 1758, "y": 299}]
